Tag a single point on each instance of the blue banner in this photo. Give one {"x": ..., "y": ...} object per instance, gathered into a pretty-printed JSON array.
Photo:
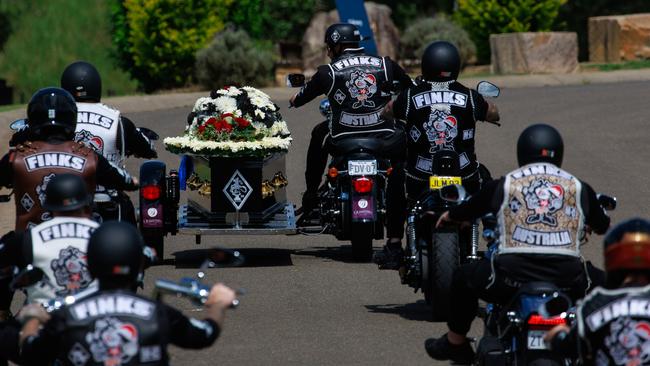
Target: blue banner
[{"x": 353, "y": 12}]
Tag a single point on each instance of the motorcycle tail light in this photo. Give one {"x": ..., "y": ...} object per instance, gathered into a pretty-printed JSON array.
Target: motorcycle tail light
[
  {"x": 363, "y": 185},
  {"x": 151, "y": 192},
  {"x": 538, "y": 321},
  {"x": 389, "y": 170},
  {"x": 333, "y": 172}
]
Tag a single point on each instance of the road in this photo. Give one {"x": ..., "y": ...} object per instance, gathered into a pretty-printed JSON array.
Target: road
[{"x": 307, "y": 303}]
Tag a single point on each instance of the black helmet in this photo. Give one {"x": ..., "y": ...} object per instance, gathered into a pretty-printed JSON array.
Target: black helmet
[
  {"x": 66, "y": 192},
  {"x": 52, "y": 109},
  {"x": 115, "y": 253},
  {"x": 440, "y": 62},
  {"x": 627, "y": 249},
  {"x": 82, "y": 80},
  {"x": 342, "y": 33},
  {"x": 540, "y": 143}
]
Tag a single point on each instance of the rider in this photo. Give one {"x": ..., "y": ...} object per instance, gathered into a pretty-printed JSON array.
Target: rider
[
  {"x": 358, "y": 87},
  {"x": 440, "y": 114},
  {"x": 542, "y": 211},
  {"x": 115, "y": 326},
  {"x": 49, "y": 150},
  {"x": 102, "y": 127},
  {"x": 611, "y": 329}
]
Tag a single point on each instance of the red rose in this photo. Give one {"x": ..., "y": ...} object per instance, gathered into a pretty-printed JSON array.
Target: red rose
[
  {"x": 222, "y": 125},
  {"x": 211, "y": 121},
  {"x": 223, "y": 116},
  {"x": 242, "y": 123},
  {"x": 201, "y": 128}
]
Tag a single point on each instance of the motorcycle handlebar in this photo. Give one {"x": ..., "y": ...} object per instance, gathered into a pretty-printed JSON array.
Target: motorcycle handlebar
[{"x": 192, "y": 289}]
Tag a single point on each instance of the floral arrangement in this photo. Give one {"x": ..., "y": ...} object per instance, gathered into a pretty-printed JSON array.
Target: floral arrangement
[{"x": 233, "y": 121}]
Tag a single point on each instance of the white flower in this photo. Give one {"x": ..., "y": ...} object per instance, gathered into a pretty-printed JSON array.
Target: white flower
[
  {"x": 225, "y": 104},
  {"x": 201, "y": 104},
  {"x": 260, "y": 114}
]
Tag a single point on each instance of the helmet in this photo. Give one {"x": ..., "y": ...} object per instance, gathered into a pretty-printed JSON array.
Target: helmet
[
  {"x": 440, "y": 62},
  {"x": 115, "y": 253},
  {"x": 341, "y": 33},
  {"x": 627, "y": 246},
  {"x": 82, "y": 80},
  {"x": 66, "y": 192},
  {"x": 540, "y": 143},
  {"x": 50, "y": 109}
]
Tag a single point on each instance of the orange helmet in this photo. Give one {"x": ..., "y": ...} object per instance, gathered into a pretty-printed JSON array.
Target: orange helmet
[{"x": 627, "y": 246}]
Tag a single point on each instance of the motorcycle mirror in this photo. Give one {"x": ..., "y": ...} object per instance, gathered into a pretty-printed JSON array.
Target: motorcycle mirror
[
  {"x": 150, "y": 134},
  {"x": 559, "y": 304},
  {"x": 27, "y": 277},
  {"x": 18, "y": 125},
  {"x": 324, "y": 108},
  {"x": 453, "y": 193},
  {"x": 487, "y": 89},
  {"x": 607, "y": 202},
  {"x": 222, "y": 258},
  {"x": 295, "y": 80}
]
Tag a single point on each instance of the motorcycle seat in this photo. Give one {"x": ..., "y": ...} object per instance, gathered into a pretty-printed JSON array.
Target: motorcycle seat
[
  {"x": 538, "y": 288},
  {"x": 349, "y": 145}
]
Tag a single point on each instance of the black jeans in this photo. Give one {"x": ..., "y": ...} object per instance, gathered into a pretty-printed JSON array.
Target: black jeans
[
  {"x": 318, "y": 152},
  {"x": 472, "y": 281}
]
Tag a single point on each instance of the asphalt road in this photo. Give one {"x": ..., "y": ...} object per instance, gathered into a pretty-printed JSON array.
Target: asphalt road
[{"x": 307, "y": 303}]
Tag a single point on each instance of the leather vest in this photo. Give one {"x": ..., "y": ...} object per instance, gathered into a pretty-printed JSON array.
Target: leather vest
[
  {"x": 440, "y": 116},
  {"x": 99, "y": 127},
  {"x": 541, "y": 211},
  {"x": 35, "y": 163},
  {"x": 59, "y": 250},
  {"x": 616, "y": 324},
  {"x": 355, "y": 95},
  {"x": 112, "y": 328}
]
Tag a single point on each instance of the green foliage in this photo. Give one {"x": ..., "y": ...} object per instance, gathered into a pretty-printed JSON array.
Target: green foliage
[
  {"x": 48, "y": 35},
  {"x": 233, "y": 58},
  {"x": 439, "y": 28},
  {"x": 157, "y": 39},
  {"x": 404, "y": 12},
  {"x": 274, "y": 20},
  {"x": 484, "y": 17}
]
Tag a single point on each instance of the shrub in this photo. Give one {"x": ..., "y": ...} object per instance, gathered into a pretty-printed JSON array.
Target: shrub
[
  {"x": 157, "y": 39},
  {"x": 426, "y": 30},
  {"x": 484, "y": 17},
  {"x": 232, "y": 58}
]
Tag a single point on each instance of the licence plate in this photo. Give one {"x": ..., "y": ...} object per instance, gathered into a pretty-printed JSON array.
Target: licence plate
[
  {"x": 362, "y": 167},
  {"x": 536, "y": 339},
  {"x": 437, "y": 182}
]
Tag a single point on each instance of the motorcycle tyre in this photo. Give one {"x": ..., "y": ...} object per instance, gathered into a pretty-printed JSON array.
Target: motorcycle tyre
[
  {"x": 443, "y": 261},
  {"x": 361, "y": 235}
]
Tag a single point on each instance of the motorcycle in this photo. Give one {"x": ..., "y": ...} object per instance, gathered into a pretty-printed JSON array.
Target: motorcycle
[
  {"x": 432, "y": 255},
  {"x": 514, "y": 332},
  {"x": 109, "y": 205}
]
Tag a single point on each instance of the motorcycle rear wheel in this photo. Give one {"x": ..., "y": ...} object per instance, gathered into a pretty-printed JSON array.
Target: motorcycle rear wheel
[
  {"x": 361, "y": 235},
  {"x": 442, "y": 257}
]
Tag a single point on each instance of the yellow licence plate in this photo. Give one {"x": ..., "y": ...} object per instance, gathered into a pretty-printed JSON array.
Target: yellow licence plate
[{"x": 437, "y": 182}]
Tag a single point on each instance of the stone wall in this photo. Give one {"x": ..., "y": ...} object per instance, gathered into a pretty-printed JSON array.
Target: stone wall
[
  {"x": 534, "y": 52},
  {"x": 619, "y": 38},
  {"x": 385, "y": 33}
]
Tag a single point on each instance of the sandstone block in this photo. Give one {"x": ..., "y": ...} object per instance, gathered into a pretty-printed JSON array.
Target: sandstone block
[
  {"x": 534, "y": 52},
  {"x": 619, "y": 38}
]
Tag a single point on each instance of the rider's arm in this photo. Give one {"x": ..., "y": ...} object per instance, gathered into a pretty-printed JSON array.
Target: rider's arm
[
  {"x": 399, "y": 75},
  {"x": 112, "y": 177},
  {"x": 595, "y": 215},
  {"x": 6, "y": 171},
  {"x": 12, "y": 249},
  {"x": 189, "y": 332},
  {"x": 38, "y": 341},
  {"x": 399, "y": 107},
  {"x": 483, "y": 109},
  {"x": 483, "y": 202},
  {"x": 136, "y": 143},
  {"x": 319, "y": 84}
]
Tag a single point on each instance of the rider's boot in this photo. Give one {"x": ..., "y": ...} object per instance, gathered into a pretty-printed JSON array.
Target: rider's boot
[
  {"x": 441, "y": 349},
  {"x": 391, "y": 256},
  {"x": 308, "y": 209}
]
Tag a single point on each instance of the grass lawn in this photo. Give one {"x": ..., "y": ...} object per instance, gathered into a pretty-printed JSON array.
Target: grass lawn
[
  {"x": 11, "y": 107},
  {"x": 627, "y": 65}
]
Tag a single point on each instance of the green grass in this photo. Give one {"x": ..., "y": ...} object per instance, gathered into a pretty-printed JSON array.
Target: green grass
[
  {"x": 49, "y": 35},
  {"x": 11, "y": 107},
  {"x": 628, "y": 65}
]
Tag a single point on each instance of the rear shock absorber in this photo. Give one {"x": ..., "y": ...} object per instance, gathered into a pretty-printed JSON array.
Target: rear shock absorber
[
  {"x": 173, "y": 187},
  {"x": 412, "y": 238},
  {"x": 473, "y": 255}
]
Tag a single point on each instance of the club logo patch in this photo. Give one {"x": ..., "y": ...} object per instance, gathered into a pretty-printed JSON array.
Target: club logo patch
[
  {"x": 629, "y": 342},
  {"x": 544, "y": 199},
  {"x": 92, "y": 141},
  {"x": 441, "y": 130},
  {"x": 40, "y": 189},
  {"x": 27, "y": 202},
  {"x": 415, "y": 134},
  {"x": 71, "y": 271},
  {"x": 362, "y": 87},
  {"x": 237, "y": 190},
  {"x": 78, "y": 355},
  {"x": 339, "y": 96},
  {"x": 113, "y": 342},
  {"x": 335, "y": 36}
]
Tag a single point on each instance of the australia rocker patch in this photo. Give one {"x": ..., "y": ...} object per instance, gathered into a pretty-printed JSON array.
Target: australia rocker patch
[{"x": 55, "y": 160}]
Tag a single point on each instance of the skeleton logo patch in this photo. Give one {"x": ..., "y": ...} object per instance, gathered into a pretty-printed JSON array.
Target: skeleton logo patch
[
  {"x": 113, "y": 342},
  {"x": 629, "y": 342},
  {"x": 40, "y": 189},
  {"x": 71, "y": 271},
  {"x": 362, "y": 87},
  {"x": 95, "y": 142},
  {"x": 544, "y": 199},
  {"x": 441, "y": 130}
]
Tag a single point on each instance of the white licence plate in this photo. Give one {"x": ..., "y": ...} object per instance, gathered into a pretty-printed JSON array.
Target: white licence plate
[
  {"x": 362, "y": 167},
  {"x": 536, "y": 339}
]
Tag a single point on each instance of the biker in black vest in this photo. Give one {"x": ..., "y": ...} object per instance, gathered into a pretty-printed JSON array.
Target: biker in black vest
[
  {"x": 358, "y": 88},
  {"x": 541, "y": 228},
  {"x": 613, "y": 323},
  {"x": 114, "y": 326},
  {"x": 440, "y": 114}
]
